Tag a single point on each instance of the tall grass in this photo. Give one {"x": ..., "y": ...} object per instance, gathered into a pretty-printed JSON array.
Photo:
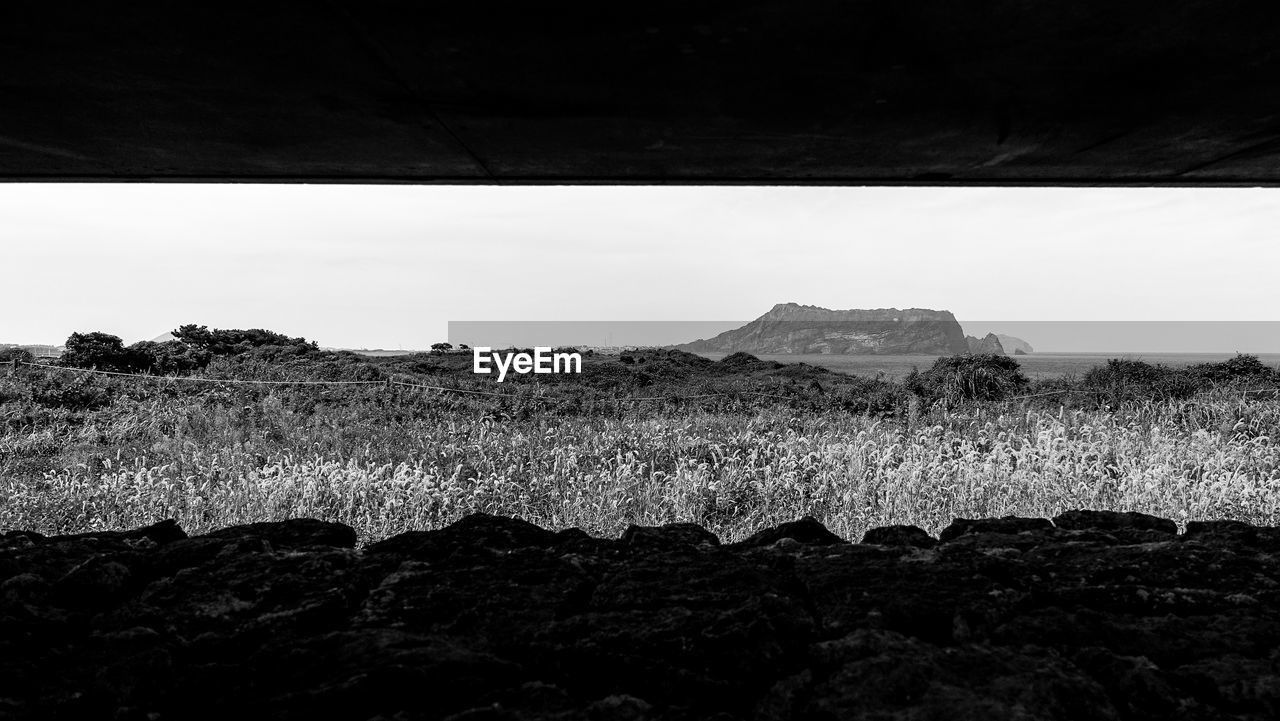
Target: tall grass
[{"x": 386, "y": 467}]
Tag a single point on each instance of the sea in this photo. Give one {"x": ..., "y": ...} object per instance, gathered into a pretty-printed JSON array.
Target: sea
[{"x": 1034, "y": 365}]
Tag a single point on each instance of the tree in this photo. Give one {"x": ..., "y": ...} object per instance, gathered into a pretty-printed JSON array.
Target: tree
[
  {"x": 441, "y": 347},
  {"x": 221, "y": 341},
  {"x": 191, "y": 334},
  {"x": 102, "y": 351},
  {"x": 16, "y": 353},
  {"x": 167, "y": 358}
]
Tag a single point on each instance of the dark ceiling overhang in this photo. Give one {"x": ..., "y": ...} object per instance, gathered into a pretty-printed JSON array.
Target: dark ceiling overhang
[{"x": 1113, "y": 92}]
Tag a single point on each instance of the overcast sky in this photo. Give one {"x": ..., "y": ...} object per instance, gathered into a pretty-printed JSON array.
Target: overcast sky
[{"x": 389, "y": 266}]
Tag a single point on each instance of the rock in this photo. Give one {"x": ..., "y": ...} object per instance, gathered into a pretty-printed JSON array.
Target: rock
[
  {"x": 1105, "y": 615},
  {"x": 988, "y": 345},
  {"x": 1233, "y": 533},
  {"x": 792, "y": 328},
  {"x": 23, "y": 589},
  {"x": 869, "y": 586},
  {"x": 575, "y": 540},
  {"x": 1006, "y": 525},
  {"x": 56, "y": 557},
  {"x": 1250, "y": 685},
  {"x": 166, "y": 531},
  {"x": 571, "y": 536},
  {"x": 807, "y": 531},
  {"x": 670, "y": 536},
  {"x": 1115, "y": 521},
  {"x": 506, "y": 608},
  {"x": 359, "y": 674},
  {"x": 194, "y": 552},
  {"x": 1138, "y": 689},
  {"x": 293, "y": 534},
  {"x": 473, "y": 533},
  {"x": 880, "y": 674},
  {"x": 1015, "y": 346},
  {"x": 20, "y": 539},
  {"x": 619, "y": 707},
  {"x": 736, "y": 620},
  {"x": 900, "y": 536},
  {"x": 254, "y": 596},
  {"x": 95, "y": 582}
]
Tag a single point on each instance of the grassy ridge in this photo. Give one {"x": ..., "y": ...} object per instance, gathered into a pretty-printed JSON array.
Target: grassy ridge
[{"x": 84, "y": 452}]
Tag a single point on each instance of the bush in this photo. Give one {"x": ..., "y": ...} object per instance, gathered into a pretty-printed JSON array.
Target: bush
[
  {"x": 167, "y": 358},
  {"x": 984, "y": 377},
  {"x": 81, "y": 393},
  {"x": 869, "y": 396},
  {"x": 742, "y": 362},
  {"x": 1126, "y": 379},
  {"x": 1242, "y": 368},
  {"x": 102, "y": 351},
  {"x": 22, "y": 355},
  {"x": 222, "y": 342}
]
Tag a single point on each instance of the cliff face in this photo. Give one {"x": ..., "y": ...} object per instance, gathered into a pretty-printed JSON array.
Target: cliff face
[
  {"x": 988, "y": 345},
  {"x": 794, "y": 328},
  {"x": 1013, "y": 345}
]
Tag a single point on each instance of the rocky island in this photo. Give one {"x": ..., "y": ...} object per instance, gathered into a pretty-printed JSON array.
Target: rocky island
[
  {"x": 988, "y": 344},
  {"x": 1014, "y": 346},
  {"x": 794, "y": 329},
  {"x": 791, "y": 328}
]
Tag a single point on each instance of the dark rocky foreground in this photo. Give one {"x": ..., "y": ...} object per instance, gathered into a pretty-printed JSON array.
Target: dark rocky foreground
[{"x": 1094, "y": 615}]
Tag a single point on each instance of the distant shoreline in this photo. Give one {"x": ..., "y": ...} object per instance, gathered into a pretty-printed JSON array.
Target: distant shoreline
[{"x": 1046, "y": 364}]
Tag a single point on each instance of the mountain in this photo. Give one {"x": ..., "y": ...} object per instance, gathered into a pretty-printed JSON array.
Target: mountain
[
  {"x": 164, "y": 338},
  {"x": 990, "y": 344},
  {"x": 1013, "y": 345},
  {"x": 794, "y": 328}
]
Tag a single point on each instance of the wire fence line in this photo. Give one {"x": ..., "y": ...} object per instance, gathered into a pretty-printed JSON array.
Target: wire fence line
[
  {"x": 390, "y": 382},
  {"x": 191, "y": 379}
]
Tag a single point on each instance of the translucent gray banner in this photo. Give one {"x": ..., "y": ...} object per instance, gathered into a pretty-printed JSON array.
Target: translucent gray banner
[{"x": 901, "y": 335}]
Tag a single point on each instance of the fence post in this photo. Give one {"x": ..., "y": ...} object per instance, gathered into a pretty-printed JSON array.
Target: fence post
[{"x": 13, "y": 367}]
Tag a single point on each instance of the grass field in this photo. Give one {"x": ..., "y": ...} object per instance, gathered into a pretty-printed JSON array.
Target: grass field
[{"x": 89, "y": 452}]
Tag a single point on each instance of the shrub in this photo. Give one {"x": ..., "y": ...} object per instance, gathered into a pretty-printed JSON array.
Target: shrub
[
  {"x": 1242, "y": 368},
  {"x": 16, "y": 353},
  {"x": 742, "y": 362},
  {"x": 983, "y": 377},
  {"x": 1127, "y": 379},
  {"x": 81, "y": 393},
  {"x": 221, "y": 342},
  {"x": 869, "y": 396},
  {"x": 102, "y": 351},
  {"x": 167, "y": 358}
]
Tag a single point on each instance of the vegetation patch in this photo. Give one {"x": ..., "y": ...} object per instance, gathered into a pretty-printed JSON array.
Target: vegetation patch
[{"x": 417, "y": 441}]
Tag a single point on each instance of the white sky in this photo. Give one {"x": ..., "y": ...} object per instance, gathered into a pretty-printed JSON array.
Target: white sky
[{"x": 388, "y": 266}]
